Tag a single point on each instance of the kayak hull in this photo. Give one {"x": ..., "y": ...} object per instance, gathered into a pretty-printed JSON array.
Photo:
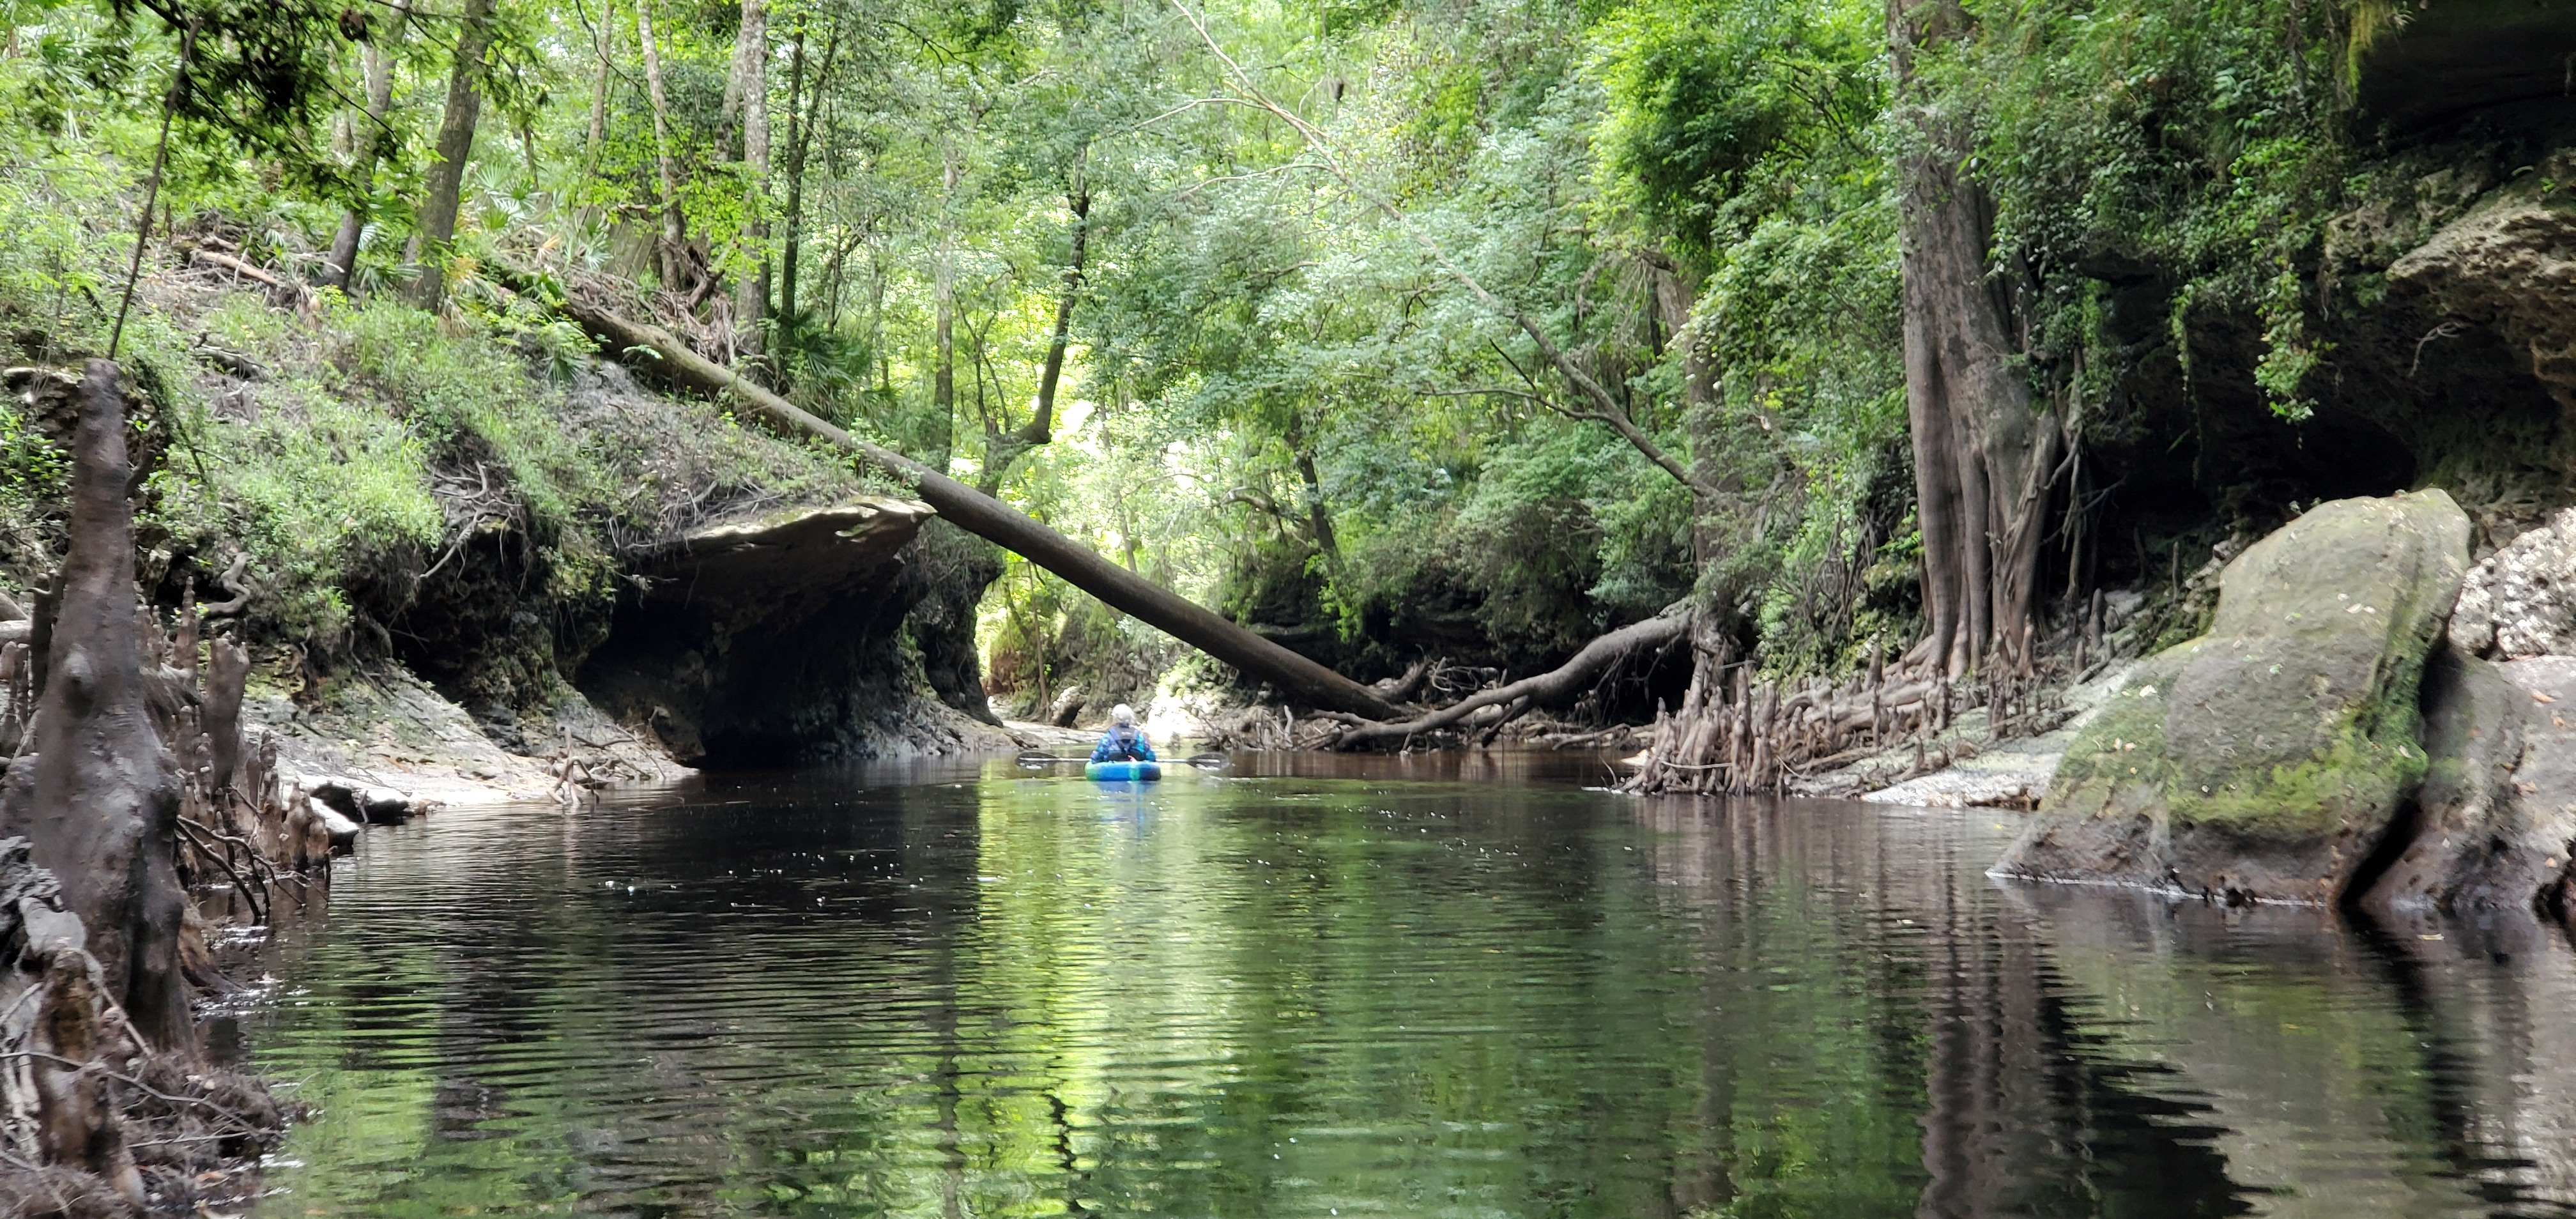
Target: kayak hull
[{"x": 1128, "y": 772}]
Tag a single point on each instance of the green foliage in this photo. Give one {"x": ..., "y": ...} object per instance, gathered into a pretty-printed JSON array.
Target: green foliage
[
  {"x": 467, "y": 401},
  {"x": 2206, "y": 143},
  {"x": 1711, "y": 100},
  {"x": 1278, "y": 394},
  {"x": 260, "y": 72},
  {"x": 1536, "y": 537},
  {"x": 322, "y": 493}
]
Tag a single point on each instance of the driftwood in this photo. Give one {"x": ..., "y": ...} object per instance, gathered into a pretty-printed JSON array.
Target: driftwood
[
  {"x": 989, "y": 518},
  {"x": 1403, "y": 688},
  {"x": 1519, "y": 696},
  {"x": 231, "y": 582},
  {"x": 281, "y": 290}
]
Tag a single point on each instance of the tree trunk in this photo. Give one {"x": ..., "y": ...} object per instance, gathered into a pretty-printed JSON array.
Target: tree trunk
[
  {"x": 455, "y": 144},
  {"x": 800, "y": 137},
  {"x": 1004, "y": 449},
  {"x": 1551, "y": 686},
  {"x": 795, "y": 181},
  {"x": 372, "y": 142},
  {"x": 943, "y": 325},
  {"x": 1983, "y": 456},
  {"x": 675, "y": 233},
  {"x": 751, "y": 292},
  {"x": 604, "y": 45},
  {"x": 1319, "y": 520},
  {"x": 980, "y": 514},
  {"x": 1041, "y": 427},
  {"x": 95, "y": 792}
]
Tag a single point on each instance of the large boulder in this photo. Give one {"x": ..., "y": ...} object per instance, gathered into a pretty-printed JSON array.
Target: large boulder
[
  {"x": 2496, "y": 820},
  {"x": 2265, "y": 760}
]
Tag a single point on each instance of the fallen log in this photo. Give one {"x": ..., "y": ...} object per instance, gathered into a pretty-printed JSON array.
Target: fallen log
[
  {"x": 226, "y": 262},
  {"x": 1554, "y": 684},
  {"x": 1296, "y": 676}
]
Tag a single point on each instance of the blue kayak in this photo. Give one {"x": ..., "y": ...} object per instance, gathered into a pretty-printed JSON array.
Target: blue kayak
[{"x": 1123, "y": 772}]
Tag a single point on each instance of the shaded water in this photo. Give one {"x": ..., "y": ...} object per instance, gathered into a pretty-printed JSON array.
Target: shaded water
[{"x": 1379, "y": 987}]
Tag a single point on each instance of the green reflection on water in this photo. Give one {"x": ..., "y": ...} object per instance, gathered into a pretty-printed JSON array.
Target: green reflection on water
[
  {"x": 1263, "y": 997},
  {"x": 1282, "y": 997}
]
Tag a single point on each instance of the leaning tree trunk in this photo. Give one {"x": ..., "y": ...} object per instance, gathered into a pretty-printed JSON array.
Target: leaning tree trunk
[
  {"x": 95, "y": 791},
  {"x": 1983, "y": 453},
  {"x": 986, "y": 517}
]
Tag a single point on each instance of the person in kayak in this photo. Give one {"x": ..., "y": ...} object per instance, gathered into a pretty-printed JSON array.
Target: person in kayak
[{"x": 1124, "y": 742}]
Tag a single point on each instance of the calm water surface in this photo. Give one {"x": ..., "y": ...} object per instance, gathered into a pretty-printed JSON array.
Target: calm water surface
[{"x": 1374, "y": 988}]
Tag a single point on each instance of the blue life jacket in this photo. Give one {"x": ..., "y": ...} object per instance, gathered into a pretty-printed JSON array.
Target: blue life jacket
[{"x": 1123, "y": 743}]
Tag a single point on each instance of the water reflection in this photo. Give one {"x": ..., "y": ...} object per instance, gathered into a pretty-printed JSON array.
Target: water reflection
[{"x": 1443, "y": 985}]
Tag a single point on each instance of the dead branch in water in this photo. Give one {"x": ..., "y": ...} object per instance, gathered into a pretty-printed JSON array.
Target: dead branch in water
[{"x": 1554, "y": 684}]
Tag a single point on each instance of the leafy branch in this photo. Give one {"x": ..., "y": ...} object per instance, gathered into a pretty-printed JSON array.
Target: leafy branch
[{"x": 1599, "y": 405}]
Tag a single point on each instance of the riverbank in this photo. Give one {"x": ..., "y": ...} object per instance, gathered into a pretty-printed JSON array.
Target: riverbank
[{"x": 182, "y": 765}]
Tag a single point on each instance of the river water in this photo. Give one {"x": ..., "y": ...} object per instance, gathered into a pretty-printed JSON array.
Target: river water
[{"x": 1443, "y": 986}]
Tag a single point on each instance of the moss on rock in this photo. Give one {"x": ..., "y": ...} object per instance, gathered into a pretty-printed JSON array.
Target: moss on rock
[{"x": 2265, "y": 759}]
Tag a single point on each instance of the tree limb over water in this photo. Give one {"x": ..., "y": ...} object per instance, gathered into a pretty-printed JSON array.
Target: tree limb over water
[{"x": 989, "y": 518}]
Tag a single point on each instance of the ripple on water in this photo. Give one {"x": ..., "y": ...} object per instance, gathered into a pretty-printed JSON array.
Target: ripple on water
[{"x": 1365, "y": 995}]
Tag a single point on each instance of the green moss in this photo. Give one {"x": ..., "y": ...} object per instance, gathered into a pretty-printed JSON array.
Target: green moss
[
  {"x": 2306, "y": 799},
  {"x": 2371, "y": 758},
  {"x": 2125, "y": 742}
]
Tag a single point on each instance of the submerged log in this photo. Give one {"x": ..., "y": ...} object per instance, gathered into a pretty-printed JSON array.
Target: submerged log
[{"x": 989, "y": 518}]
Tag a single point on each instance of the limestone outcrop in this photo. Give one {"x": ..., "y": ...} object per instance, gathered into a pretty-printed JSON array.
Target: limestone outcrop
[
  {"x": 2265, "y": 760},
  {"x": 2508, "y": 265},
  {"x": 2425, "y": 64},
  {"x": 770, "y": 641},
  {"x": 2520, "y": 601}
]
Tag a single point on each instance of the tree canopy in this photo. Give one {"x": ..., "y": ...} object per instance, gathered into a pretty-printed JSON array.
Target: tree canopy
[{"x": 1387, "y": 325}]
